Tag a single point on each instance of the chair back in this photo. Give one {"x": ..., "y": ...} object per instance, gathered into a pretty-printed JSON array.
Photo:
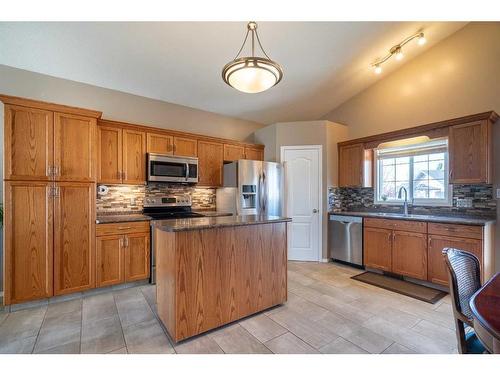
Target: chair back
[{"x": 465, "y": 280}]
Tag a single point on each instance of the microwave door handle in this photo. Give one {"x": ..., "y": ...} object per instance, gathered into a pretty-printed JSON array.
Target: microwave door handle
[{"x": 187, "y": 171}]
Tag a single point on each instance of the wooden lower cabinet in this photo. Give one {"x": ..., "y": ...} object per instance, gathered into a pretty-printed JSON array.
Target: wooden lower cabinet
[
  {"x": 437, "y": 268},
  {"x": 378, "y": 248},
  {"x": 74, "y": 237},
  {"x": 28, "y": 241},
  {"x": 137, "y": 256},
  {"x": 122, "y": 255},
  {"x": 409, "y": 254},
  {"x": 109, "y": 261}
]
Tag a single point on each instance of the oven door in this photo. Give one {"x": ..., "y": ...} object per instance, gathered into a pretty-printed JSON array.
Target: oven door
[{"x": 162, "y": 168}]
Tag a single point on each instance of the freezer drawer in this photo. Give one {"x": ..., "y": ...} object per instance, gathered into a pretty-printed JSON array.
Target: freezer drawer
[{"x": 345, "y": 239}]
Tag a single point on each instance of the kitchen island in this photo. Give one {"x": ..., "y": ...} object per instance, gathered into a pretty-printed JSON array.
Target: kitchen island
[{"x": 214, "y": 270}]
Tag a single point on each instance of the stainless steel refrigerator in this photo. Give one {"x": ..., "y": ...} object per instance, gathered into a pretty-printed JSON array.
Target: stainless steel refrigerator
[{"x": 251, "y": 187}]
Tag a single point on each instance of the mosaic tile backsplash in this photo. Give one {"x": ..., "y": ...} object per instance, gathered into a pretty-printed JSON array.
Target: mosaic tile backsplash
[
  {"x": 130, "y": 198},
  {"x": 362, "y": 199}
]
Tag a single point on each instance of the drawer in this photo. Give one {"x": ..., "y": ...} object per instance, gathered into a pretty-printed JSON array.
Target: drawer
[
  {"x": 457, "y": 230},
  {"x": 403, "y": 225},
  {"x": 122, "y": 228}
]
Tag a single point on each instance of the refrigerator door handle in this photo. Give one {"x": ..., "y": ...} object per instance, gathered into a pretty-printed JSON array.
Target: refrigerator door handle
[{"x": 264, "y": 195}]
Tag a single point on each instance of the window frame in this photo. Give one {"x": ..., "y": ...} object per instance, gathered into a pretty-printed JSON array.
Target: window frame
[{"x": 446, "y": 202}]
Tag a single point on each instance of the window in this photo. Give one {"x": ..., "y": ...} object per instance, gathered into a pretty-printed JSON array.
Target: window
[{"x": 421, "y": 168}]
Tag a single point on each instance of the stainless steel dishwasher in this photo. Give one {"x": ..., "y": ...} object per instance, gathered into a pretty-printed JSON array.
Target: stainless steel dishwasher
[{"x": 345, "y": 239}]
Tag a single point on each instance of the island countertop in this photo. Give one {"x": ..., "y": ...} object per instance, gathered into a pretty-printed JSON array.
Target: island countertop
[{"x": 178, "y": 225}]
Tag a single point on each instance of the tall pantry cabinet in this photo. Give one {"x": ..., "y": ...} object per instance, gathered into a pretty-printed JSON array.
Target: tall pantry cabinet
[{"x": 50, "y": 161}]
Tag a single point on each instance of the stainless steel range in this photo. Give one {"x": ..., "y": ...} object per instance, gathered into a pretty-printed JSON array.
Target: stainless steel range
[{"x": 166, "y": 207}]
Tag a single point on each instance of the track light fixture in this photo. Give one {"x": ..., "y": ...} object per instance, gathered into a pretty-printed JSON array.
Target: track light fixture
[{"x": 397, "y": 51}]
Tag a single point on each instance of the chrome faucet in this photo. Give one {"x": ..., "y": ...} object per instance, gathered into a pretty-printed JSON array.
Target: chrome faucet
[{"x": 405, "y": 204}]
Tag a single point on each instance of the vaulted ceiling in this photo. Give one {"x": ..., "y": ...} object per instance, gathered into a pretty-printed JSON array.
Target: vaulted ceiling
[{"x": 325, "y": 63}]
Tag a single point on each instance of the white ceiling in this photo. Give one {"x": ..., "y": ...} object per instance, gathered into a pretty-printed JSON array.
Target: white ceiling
[{"x": 325, "y": 63}]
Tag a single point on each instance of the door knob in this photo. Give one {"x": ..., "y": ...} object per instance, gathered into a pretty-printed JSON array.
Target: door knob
[{"x": 315, "y": 211}]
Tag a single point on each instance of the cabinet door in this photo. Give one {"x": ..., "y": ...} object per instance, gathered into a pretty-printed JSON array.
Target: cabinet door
[
  {"x": 134, "y": 157},
  {"x": 29, "y": 143},
  {"x": 254, "y": 153},
  {"x": 437, "y": 267},
  {"x": 136, "y": 256},
  {"x": 110, "y": 265},
  {"x": 160, "y": 143},
  {"x": 210, "y": 162},
  {"x": 409, "y": 254},
  {"x": 233, "y": 152},
  {"x": 74, "y": 237},
  {"x": 377, "y": 248},
  {"x": 469, "y": 150},
  {"x": 351, "y": 160},
  {"x": 75, "y": 151},
  {"x": 28, "y": 241},
  {"x": 185, "y": 146},
  {"x": 109, "y": 154}
]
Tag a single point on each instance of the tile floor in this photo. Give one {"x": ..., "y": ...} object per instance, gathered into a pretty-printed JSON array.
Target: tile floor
[{"x": 326, "y": 312}]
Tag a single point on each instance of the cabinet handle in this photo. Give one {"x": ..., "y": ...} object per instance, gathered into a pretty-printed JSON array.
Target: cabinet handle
[
  {"x": 126, "y": 241},
  {"x": 56, "y": 192},
  {"x": 123, "y": 228},
  {"x": 55, "y": 170}
]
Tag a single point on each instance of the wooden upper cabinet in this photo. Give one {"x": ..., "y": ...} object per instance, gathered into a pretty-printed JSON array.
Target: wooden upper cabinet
[
  {"x": 75, "y": 151},
  {"x": 134, "y": 157},
  {"x": 210, "y": 162},
  {"x": 185, "y": 146},
  {"x": 136, "y": 256},
  {"x": 378, "y": 248},
  {"x": 28, "y": 241},
  {"x": 254, "y": 153},
  {"x": 160, "y": 143},
  {"x": 74, "y": 237},
  {"x": 109, "y": 154},
  {"x": 355, "y": 166},
  {"x": 233, "y": 152},
  {"x": 109, "y": 260},
  {"x": 470, "y": 152},
  {"x": 437, "y": 272},
  {"x": 409, "y": 254},
  {"x": 28, "y": 143}
]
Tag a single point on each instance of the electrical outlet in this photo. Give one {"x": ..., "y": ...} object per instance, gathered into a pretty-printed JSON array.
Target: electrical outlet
[{"x": 464, "y": 202}]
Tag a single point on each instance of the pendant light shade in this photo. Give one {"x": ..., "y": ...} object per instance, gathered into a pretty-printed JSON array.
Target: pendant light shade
[{"x": 252, "y": 74}]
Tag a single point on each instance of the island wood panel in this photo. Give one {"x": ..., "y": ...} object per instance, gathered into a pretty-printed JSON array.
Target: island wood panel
[
  {"x": 377, "y": 250},
  {"x": 109, "y": 261},
  {"x": 254, "y": 153},
  {"x": 28, "y": 143},
  {"x": 437, "y": 272},
  {"x": 75, "y": 151},
  {"x": 470, "y": 145},
  {"x": 28, "y": 241},
  {"x": 74, "y": 237},
  {"x": 185, "y": 146},
  {"x": 221, "y": 275},
  {"x": 233, "y": 152},
  {"x": 134, "y": 157},
  {"x": 409, "y": 254},
  {"x": 137, "y": 256},
  {"x": 210, "y": 163},
  {"x": 109, "y": 155},
  {"x": 160, "y": 143}
]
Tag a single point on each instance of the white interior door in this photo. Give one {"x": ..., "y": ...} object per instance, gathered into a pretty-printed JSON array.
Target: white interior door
[{"x": 303, "y": 201}]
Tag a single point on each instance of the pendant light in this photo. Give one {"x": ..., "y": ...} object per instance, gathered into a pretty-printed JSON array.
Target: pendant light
[{"x": 252, "y": 74}]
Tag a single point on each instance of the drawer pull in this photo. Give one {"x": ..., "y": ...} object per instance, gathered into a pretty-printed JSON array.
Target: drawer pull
[{"x": 123, "y": 228}]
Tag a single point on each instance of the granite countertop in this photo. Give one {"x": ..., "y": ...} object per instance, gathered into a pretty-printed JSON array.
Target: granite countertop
[
  {"x": 177, "y": 225},
  {"x": 212, "y": 213},
  {"x": 121, "y": 218},
  {"x": 451, "y": 219}
]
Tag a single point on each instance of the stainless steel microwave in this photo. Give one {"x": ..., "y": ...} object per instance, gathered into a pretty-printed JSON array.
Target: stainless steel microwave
[{"x": 167, "y": 168}]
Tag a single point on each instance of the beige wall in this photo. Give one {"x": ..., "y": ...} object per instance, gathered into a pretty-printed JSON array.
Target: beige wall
[
  {"x": 457, "y": 77},
  {"x": 116, "y": 105},
  {"x": 300, "y": 133}
]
